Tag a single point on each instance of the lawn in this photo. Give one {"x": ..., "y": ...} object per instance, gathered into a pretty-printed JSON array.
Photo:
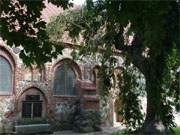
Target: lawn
[{"x": 176, "y": 130}]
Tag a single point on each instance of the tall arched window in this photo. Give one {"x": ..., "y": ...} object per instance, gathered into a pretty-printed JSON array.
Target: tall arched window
[
  {"x": 5, "y": 75},
  {"x": 64, "y": 81}
]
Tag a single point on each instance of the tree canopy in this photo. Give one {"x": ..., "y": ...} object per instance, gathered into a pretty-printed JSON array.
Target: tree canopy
[
  {"x": 147, "y": 34},
  {"x": 21, "y": 25},
  {"x": 107, "y": 25}
]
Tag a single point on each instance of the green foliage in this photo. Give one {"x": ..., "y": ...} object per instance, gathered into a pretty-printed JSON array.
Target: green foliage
[
  {"x": 57, "y": 27},
  {"x": 21, "y": 25},
  {"x": 87, "y": 121},
  {"x": 153, "y": 50},
  {"x": 170, "y": 87},
  {"x": 64, "y": 117},
  {"x": 130, "y": 107},
  {"x": 177, "y": 131},
  {"x": 73, "y": 117}
]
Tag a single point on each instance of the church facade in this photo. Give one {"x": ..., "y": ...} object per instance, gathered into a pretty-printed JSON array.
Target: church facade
[{"x": 33, "y": 92}]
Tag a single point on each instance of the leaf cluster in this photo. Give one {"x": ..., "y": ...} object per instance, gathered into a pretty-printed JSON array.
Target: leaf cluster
[
  {"x": 129, "y": 98},
  {"x": 21, "y": 25}
]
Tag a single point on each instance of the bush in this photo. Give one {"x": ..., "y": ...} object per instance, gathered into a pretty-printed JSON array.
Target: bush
[
  {"x": 87, "y": 121},
  {"x": 73, "y": 117},
  {"x": 64, "y": 116}
]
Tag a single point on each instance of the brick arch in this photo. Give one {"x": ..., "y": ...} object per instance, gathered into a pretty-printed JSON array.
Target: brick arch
[
  {"x": 18, "y": 97},
  {"x": 29, "y": 88},
  {"x": 73, "y": 65},
  {"x": 6, "y": 53}
]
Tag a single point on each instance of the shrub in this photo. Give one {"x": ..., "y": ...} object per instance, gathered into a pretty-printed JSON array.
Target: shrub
[
  {"x": 64, "y": 116},
  {"x": 87, "y": 121},
  {"x": 72, "y": 116}
]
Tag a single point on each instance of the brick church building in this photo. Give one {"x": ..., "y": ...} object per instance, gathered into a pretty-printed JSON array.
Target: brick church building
[{"x": 31, "y": 92}]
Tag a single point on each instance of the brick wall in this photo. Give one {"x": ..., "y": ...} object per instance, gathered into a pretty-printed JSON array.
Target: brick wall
[
  {"x": 87, "y": 84},
  {"x": 25, "y": 83}
]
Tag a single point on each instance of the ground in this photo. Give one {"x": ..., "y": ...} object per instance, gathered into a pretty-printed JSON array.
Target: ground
[{"x": 105, "y": 131}]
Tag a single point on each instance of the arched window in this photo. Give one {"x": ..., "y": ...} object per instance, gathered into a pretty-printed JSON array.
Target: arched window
[
  {"x": 64, "y": 81},
  {"x": 5, "y": 75}
]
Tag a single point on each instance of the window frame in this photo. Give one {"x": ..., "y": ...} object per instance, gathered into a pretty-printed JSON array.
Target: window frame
[
  {"x": 65, "y": 78},
  {"x": 32, "y": 107}
]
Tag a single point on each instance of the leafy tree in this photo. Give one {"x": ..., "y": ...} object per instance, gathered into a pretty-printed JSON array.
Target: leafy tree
[
  {"x": 131, "y": 85},
  {"x": 21, "y": 25},
  {"x": 154, "y": 50}
]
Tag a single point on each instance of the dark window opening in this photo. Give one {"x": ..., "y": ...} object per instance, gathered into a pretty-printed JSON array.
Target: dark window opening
[
  {"x": 32, "y": 107},
  {"x": 32, "y": 97},
  {"x": 26, "y": 110}
]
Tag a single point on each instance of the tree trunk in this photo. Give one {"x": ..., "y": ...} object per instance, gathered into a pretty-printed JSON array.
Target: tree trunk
[{"x": 153, "y": 124}]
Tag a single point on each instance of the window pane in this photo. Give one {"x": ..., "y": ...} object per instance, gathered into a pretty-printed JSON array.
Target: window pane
[
  {"x": 64, "y": 83},
  {"x": 70, "y": 82},
  {"x": 5, "y": 75},
  {"x": 26, "y": 110},
  {"x": 59, "y": 82},
  {"x": 37, "y": 109}
]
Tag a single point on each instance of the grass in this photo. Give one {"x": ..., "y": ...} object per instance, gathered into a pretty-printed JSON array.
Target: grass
[{"x": 176, "y": 132}]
